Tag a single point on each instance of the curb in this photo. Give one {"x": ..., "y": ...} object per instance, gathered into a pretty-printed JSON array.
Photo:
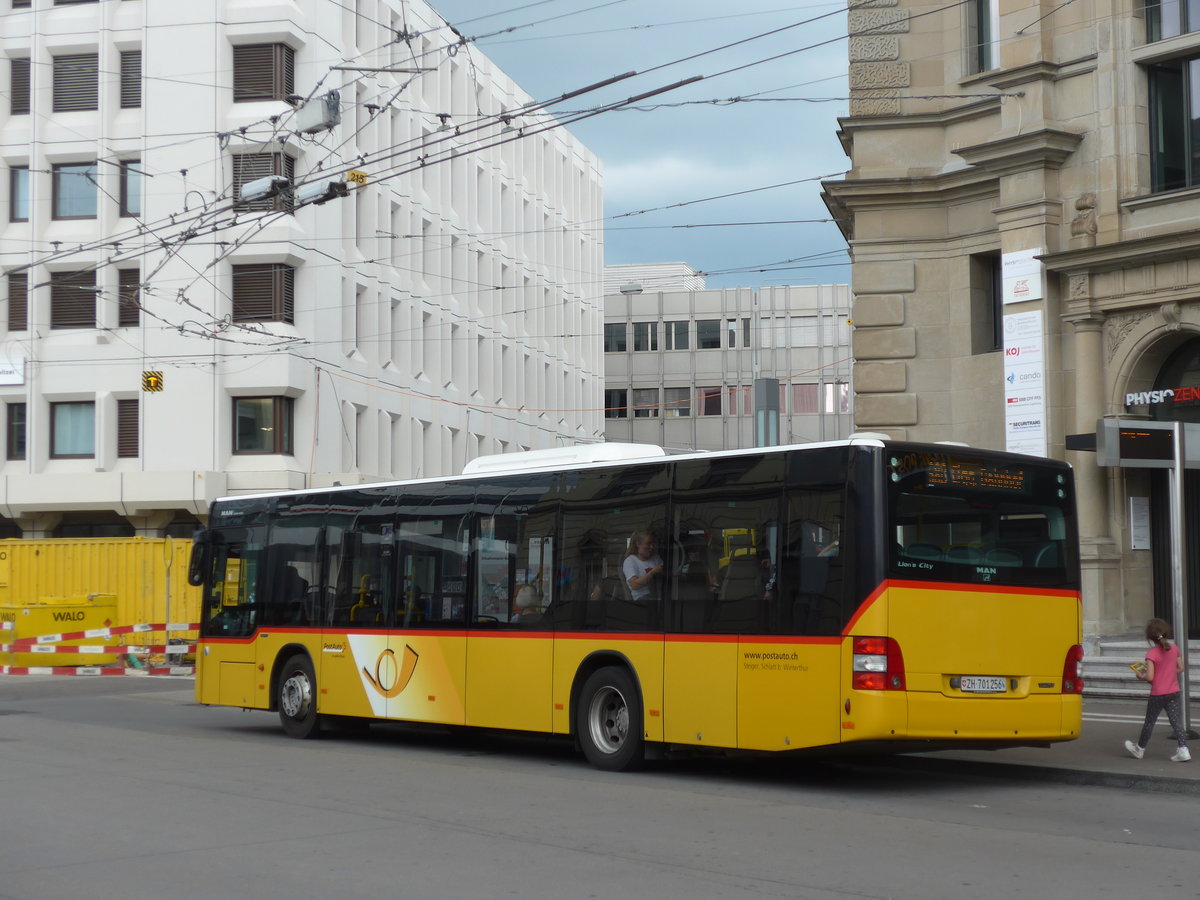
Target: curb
[{"x": 1157, "y": 784}]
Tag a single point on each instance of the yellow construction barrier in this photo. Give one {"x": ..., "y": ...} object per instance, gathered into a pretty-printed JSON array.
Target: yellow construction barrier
[
  {"x": 56, "y": 615},
  {"x": 143, "y": 580}
]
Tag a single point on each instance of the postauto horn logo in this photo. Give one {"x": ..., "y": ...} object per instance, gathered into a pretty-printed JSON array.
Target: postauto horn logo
[{"x": 390, "y": 678}]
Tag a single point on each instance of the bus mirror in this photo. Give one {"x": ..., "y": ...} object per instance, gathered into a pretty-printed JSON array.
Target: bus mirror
[{"x": 199, "y": 562}]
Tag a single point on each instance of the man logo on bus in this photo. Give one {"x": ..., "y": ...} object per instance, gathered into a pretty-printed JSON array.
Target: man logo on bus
[{"x": 387, "y": 671}]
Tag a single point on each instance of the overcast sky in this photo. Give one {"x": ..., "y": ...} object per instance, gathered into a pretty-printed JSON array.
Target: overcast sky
[{"x": 784, "y": 131}]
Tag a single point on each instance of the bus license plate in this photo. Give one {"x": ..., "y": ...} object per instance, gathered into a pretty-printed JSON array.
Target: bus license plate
[{"x": 983, "y": 684}]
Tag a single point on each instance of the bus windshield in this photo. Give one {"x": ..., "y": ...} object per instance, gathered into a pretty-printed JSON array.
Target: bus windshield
[{"x": 963, "y": 517}]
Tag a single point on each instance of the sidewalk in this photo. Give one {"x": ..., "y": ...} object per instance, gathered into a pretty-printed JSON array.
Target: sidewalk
[{"x": 1098, "y": 757}]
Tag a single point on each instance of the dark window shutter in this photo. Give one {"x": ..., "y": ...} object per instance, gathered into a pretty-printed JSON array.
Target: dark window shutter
[
  {"x": 263, "y": 72},
  {"x": 19, "y": 86},
  {"x": 249, "y": 167},
  {"x": 18, "y": 301},
  {"x": 22, "y": 4},
  {"x": 264, "y": 293},
  {"x": 127, "y": 429},
  {"x": 129, "y": 314},
  {"x": 76, "y": 82},
  {"x": 131, "y": 79},
  {"x": 72, "y": 299}
]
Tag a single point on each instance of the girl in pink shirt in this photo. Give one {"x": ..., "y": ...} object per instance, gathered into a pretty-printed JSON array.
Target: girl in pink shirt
[{"x": 1163, "y": 666}]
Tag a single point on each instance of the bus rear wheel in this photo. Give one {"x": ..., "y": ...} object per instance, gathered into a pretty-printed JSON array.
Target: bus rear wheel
[
  {"x": 298, "y": 697},
  {"x": 609, "y": 720}
]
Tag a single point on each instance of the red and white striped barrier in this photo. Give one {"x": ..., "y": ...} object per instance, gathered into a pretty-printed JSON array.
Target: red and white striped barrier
[{"x": 50, "y": 643}]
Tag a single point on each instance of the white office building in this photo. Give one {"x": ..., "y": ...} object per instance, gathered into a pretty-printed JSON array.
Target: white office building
[
  {"x": 220, "y": 278},
  {"x": 681, "y": 364}
]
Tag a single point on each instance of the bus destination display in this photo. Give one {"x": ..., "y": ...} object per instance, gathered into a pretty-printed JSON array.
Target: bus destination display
[{"x": 943, "y": 470}]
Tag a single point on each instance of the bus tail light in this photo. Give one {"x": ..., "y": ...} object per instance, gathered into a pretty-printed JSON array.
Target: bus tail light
[
  {"x": 878, "y": 664},
  {"x": 1072, "y": 682}
]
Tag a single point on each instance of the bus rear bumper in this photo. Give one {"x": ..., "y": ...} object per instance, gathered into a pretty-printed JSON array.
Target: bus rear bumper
[{"x": 1034, "y": 718}]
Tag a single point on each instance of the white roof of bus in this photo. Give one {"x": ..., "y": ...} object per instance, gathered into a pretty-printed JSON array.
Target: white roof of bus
[{"x": 566, "y": 458}]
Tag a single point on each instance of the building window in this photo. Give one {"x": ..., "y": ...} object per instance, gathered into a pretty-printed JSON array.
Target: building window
[
  {"x": 22, "y": 4},
  {"x": 983, "y": 24},
  {"x": 131, "y": 79},
  {"x": 1167, "y": 20},
  {"x": 708, "y": 334},
  {"x": 709, "y": 400},
  {"x": 616, "y": 404},
  {"x": 73, "y": 188},
  {"x": 262, "y": 425},
  {"x": 129, "y": 310},
  {"x": 1174, "y": 139},
  {"x": 804, "y": 331},
  {"x": 130, "y": 195},
  {"x": 645, "y": 336},
  {"x": 614, "y": 337},
  {"x": 264, "y": 293},
  {"x": 677, "y": 402},
  {"x": 837, "y": 397},
  {"x": 18, "y": 194},
  {"x": 263, "y": 72},
  {"x": 19, "y": 86},
  {"x": 805, "y": 398},
  {"x": 127, "y": 429},
  {"x": 14, "y": 429},
  {"x": 18, "y": 301},
  {"x": 645, "y": 403},
  {"x": 76, "y": 82},
  {"x": 248, "y": 167},
  {"x": 73, "y": 299},
  {"x": 72, "y": 430},
  {"x": 987, "y": 303},
  {"x": 675, "y": 335}
]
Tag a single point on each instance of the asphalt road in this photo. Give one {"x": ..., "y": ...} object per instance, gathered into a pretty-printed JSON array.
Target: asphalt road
[{"x": 126, "y": 788}]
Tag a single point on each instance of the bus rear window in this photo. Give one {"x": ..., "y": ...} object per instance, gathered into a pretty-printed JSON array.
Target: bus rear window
[{"x": 964, "y": 519}]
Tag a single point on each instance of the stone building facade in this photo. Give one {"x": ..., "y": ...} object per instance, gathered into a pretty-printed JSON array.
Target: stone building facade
[{"x": 1025, "y": 180}]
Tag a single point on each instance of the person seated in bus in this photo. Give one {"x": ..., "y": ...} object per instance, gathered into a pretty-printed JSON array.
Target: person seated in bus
[
  {"x": 366, "y": 610},
  {"x": 642, "y": 567},
  {"x": 527, "y": 605}
]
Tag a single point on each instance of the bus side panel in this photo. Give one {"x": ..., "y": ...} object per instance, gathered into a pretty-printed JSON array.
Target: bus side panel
[
  {"x": 643, "y": 652},
  {"x": 225, "y": 673},
  {"x": 700, "y": 691},
  {"x": 509, "y": 677},
  {"x": 417, "y": 676},
  {"x": 788, "y": 692}
]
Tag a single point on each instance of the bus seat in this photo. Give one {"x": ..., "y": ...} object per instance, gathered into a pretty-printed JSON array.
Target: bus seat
[
  {"x": 962, "y": 553},
  {"x": 741, "y": 595},
  {"x": 923, "y": 551},
  {"x": 1047, "y": 556},
  {"x": 1003, "y": 557}
]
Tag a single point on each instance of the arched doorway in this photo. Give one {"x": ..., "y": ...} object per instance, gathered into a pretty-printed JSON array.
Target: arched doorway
[{"x": 1179, "y": 374}]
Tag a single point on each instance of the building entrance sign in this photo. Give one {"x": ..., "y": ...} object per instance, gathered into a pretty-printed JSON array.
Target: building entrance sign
[{"x": 1024, "y": 384}]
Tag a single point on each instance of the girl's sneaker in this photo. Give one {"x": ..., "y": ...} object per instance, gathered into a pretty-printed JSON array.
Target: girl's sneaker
[
  {"x": 1134, "y": 750},
  {"x": 1181, "y": 755}
]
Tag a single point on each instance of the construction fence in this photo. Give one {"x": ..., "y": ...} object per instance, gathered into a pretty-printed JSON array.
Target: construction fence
[{"x": 97, "y": 606}]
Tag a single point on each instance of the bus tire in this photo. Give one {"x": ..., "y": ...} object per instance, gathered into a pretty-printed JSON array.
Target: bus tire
[
  {"x": 609, "y": 720},
  {"x": 298, "y": 697}
]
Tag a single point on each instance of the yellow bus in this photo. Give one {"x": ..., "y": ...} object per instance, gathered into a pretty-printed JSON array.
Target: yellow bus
[{"x": 901, "y": 595}]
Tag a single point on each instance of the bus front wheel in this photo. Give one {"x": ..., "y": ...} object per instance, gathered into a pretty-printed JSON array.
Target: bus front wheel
[
  {"x": 298, "y": 697},
  {"x": 609, "y": 720}
]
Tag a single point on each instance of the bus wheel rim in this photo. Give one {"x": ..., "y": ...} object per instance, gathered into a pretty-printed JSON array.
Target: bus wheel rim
[
  {"x": 609, "y": 720},
  {"x": 296, "y": 696}
]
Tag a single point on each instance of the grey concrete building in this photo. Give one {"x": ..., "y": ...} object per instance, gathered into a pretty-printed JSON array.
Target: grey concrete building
[
  {"x": 1021, "y": 209},
  {"x": 681, "y": 365}
]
